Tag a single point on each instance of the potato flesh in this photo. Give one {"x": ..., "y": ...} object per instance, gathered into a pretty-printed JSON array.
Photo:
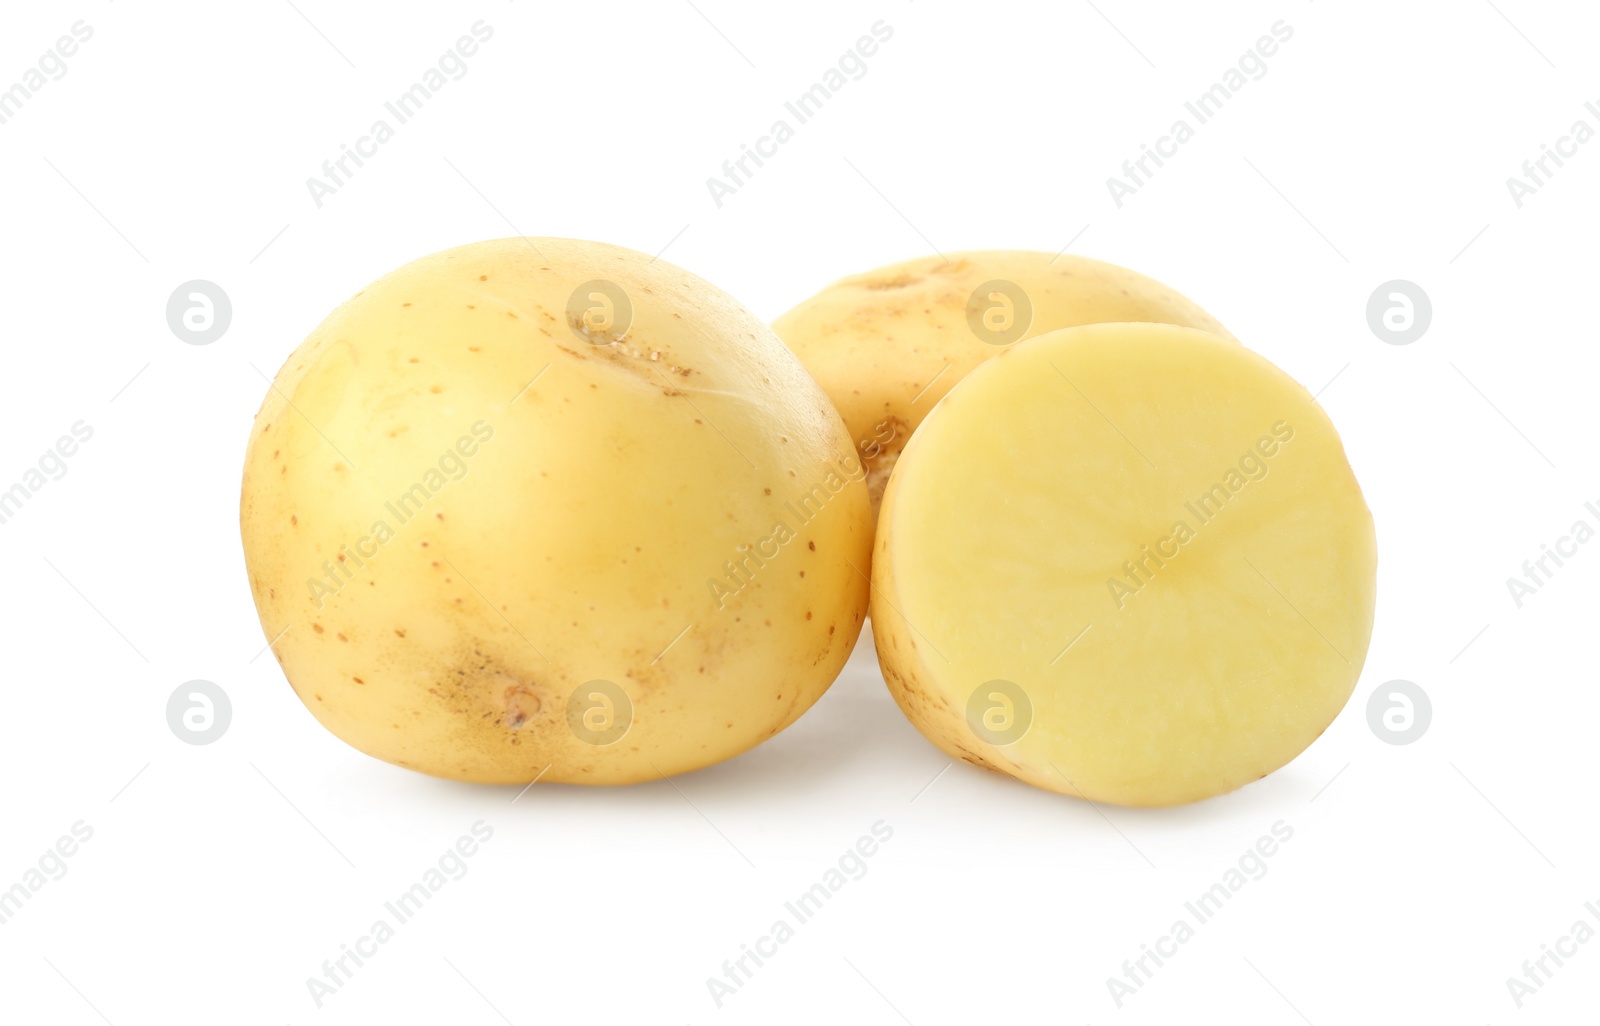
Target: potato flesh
[
  {"x": 1069, "y": 463},
  {"x": 889, "y": 344},
  {"x": 580, "y": 540}
]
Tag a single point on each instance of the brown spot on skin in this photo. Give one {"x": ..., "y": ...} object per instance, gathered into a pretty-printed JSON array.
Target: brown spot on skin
[
  {"x": 811, "y": 545},
  {"x": 317, "y": 697},
  {"x": 413, "y": 360},
  {"x": 317, "y": 627},
  {"x": 405, "y": 304},
  {"x": 399, "y": 633},
  {"x": 521, "y": 705},
  {"x": 358, "y": 680},
  {"x": 808, "y": 614},
  {"x": 341, "y": 637},
  {"x": 766, "y": 491},
  {"x": 483, "y": 277},
  {"x": 439, "y": 515},
  {"x": 294, "y": 520}
]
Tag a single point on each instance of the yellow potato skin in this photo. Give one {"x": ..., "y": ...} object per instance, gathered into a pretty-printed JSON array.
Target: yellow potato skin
[
  {"x": 599, "y": 487},
  {"x": 1030, "y": 489},
  {"x": 887, "y": 345}
]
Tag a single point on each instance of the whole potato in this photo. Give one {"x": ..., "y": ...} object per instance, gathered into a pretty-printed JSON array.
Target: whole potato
[
  {"x": 550, "y": 509},
  {"x": 888, "y": 344}
]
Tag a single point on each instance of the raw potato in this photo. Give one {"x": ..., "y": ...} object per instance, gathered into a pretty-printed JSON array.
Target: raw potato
[
  {"x": 499, "y": 535},
  {"x": 1125, "y": 561},
  {"x": 887, "y": 345}
]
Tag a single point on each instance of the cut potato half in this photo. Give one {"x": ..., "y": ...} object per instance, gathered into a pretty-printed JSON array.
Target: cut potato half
[{"x": 1128, "y": 562}]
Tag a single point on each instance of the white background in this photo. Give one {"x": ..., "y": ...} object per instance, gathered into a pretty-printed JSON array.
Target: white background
[{"x": 1377, "y": 146}]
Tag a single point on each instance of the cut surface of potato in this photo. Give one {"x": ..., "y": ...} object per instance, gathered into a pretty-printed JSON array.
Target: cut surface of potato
[
  {"x": 1128, "y": 562},
  {"x": 888, "y": 344},
  {"x": 543, "y": 508}
]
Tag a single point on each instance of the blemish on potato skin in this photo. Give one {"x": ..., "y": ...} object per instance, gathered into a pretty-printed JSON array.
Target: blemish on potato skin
[
  {"x": 317, "y": 627},
  {"x": 521, "y": 705}
]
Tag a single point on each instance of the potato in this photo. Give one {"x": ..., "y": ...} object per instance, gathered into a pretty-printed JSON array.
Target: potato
[
  {"x": 1128, "y": 562},
  {"x": 887, "y": 345},
  {"x": 542, "y": 508}
]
